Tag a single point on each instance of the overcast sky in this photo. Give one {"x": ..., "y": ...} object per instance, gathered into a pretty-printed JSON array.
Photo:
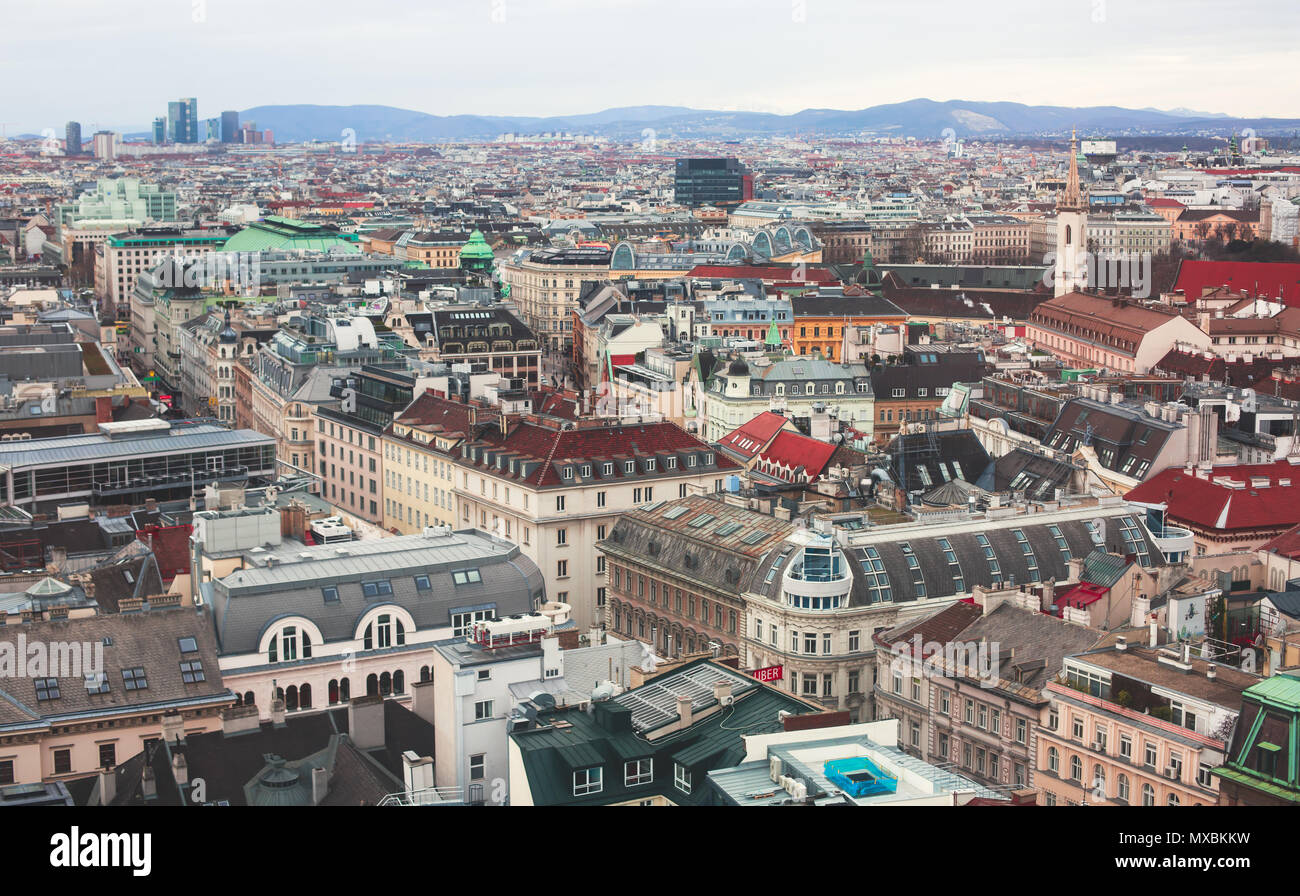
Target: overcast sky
[{"x": 116, "y": 64}]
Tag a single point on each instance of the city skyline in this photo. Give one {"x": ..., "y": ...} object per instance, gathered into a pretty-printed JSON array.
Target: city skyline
[{"x": 509, "y": 57}]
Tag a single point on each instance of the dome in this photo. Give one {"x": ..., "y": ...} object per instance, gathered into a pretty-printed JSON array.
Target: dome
[
  {"x": 477, "y": 248},
  {"x": 738, "y": 368}
]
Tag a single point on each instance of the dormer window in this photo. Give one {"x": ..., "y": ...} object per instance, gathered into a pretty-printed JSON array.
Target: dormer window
[
  {"x": 586, "y": 471},
  {"x": 629, "y": 467},
  {"x": 671, "y": 463},
  {"x": 568, "y": 472},
  {"x": 650, "y": 465},
  {"x": 607, "y": 470},
  {"x": 690, "y": 461},
  {"x": 708, "y": 460}
]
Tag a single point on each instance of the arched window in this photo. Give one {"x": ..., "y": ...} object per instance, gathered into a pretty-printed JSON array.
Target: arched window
[
  {"x": 1173, "y": 799},
  {"x": 399, "y": 682},
  {"x": 286, "y": 644},
  {"x": 333, "y": 691},
  {"x": 291, "y": 698},
  {"x": 372, "y": 685},
  {"x": 384, "y": 632},
  {"x": 345, "y": 691},
  {"x": 1099, "y": 779},
  {"x": 1076, "y": 768},
  {"x": 426, "y": 676},
  {"x": 304, "y": 696},
  {"x": 1123, "y": 788},
  {"x": 249, "y": 700},
  {"x": 1053, "y": 760},
  {"x": 1148, "y": 795},
  {"x": 1069, "y": 233},
  {"x": 385, "y": 684}
]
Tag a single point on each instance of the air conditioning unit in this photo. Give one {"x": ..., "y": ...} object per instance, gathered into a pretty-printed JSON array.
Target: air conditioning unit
[{"x": 1171, "y": 773}]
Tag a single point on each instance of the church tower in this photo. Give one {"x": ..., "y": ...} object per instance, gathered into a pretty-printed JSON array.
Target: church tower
[{"x": 1071, "y": 230}]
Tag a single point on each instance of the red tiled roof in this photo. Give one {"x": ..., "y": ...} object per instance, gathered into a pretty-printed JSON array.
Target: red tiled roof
[
  {"x": 453, "y": 416},
  {"x": 1287, "y": 544},
  {"x": 749, "y": 439},
  {"x": 1210, "y": 505},
  {"x": 794, "y": 450},
  {"x": 1272, "y": 280},
  {"x": 1162, "y": 202},
  {"x": 601, "y": 442}
]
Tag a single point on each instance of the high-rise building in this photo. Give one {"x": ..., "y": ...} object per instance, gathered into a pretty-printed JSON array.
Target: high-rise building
[
  {"x": 183, "y": 120},
  {"x": 72, "y": 139},
  {"x": 230, "y": 127},
  {"x": 159, "y": 131},
  {"x": 106, "y": 143},
  {"x": 175, "y": 127},
  {"x": 191, "y": 112},
  {"x": 212, "y": 129},
  {"x": 712, "y": 182}
]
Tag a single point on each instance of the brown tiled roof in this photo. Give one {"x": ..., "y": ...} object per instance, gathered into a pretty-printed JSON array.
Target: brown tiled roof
[{"x": 148, "y": 640}]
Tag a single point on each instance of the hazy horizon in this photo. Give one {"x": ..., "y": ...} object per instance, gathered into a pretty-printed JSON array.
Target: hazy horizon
[{"x": 117, "y": 66}]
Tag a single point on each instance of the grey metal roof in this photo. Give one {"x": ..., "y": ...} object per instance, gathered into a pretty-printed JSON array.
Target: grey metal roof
[
  {"x": 97, "y": 447},
  {"x": 247, "y": 601}
]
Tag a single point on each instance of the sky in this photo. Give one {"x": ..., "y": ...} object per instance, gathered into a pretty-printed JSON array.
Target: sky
[{"x": 116, "y": 65}]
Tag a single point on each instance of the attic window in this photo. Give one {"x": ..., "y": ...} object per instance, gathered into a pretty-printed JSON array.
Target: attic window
[
  {"x": 568, "y": 472},
  {"x": 47, "y": 689},
  {"x": 607, "y": 470},
  {"x": 586, "y": 471},
  {"x": 189, "y": 645},
  {"x": 629, "y": 467}
]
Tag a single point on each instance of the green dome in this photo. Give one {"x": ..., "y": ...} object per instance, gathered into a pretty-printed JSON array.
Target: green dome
[{"x": 477, "y": 248}]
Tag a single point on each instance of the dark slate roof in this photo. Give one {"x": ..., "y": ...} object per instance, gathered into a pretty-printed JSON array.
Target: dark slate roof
[
  {"x": 816, "y": 305},
  {"x": 247, "y": 601},
  {"x": 960, "y": 451},
  {"x": 550, "y": 755},
  {"x": 1026, "y": 638},
  {"x": 1117, "y": 432},
  {"x": 1037, "y": 475},
  {"x": 132, "y": 577},
  {"x": 227, "y": 763}
]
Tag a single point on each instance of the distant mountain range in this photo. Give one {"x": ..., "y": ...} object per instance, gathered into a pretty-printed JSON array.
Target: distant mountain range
[{"x": 918, "y": 118}]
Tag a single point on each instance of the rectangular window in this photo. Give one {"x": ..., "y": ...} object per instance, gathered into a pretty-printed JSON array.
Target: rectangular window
[
  {"x": 107, "y": 755},
  {"x": 62, "y": 762},
  {"x": 638, "y": 771},
  {"x": 477, "y": 767},
  {"x": 587, "y": 781},
  {"x": 134, "y": 679},
  {"x": 855, "y": 638},
  {"x": 682, "y": 777},
  {"x": 482, "y": 710},
  {"x": 192, "y": 671},
  {"x": 422, "y": 583}
]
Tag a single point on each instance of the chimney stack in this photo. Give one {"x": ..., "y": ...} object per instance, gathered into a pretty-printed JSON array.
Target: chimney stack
[
  {"x": 173, "y": 728},
  {"x": 722, "y": 692},
  {"x": 180, "y": 770},
  {"x": 320, "y": 785},
  {"x": 107, "y": 786},
  {"x": 1121, "y": 643},
  {"x": 366, "y": 722},
  {"x": 684, "y": 712}
]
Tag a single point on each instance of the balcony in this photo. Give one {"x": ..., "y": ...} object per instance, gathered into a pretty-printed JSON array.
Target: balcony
[
  {"x": 1175, "y": 543},
  {"x": 157, "y": 483}
]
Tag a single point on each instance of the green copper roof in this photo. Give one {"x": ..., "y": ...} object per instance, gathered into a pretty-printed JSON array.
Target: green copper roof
[
  {"x": 288, "y": 233},
  {"x": 1281, "y": 690},
  {"x": 773, "y": 335},
  {"x": 477, "y": 248}
]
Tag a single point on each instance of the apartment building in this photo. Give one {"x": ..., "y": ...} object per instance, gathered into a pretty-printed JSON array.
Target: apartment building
[
  {"x": 557, "y": 487},
  {"x": 545, "y": 284},
  {"x": 316, "y": 625},
  {"x": 128, "y": 255},
  {"x": 1138, "y": 726},
  {"x": 421, "y": 448}
]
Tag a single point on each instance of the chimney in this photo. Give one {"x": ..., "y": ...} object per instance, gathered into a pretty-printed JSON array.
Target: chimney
[
  {"x": 148, "y": 783},
  {"x": 596, "y": 636},
  {"x": 422, "y": 696},
  {"x": 180, "y": 770},
  {"x": 1187, "y": 653},
  {"x": 417, "y": 772},
  {"x": 1121, "y": 643},
  {"x": 366, "y": 722},
  {"x": 238, "y": 719},
  {"x": 107, "y": 786},
  {"x": 277, "y": 709},
  {"x": 1212, "y": 673},
  {"x": 1154, "y": 640},
  {"x": 320, "y": 785},
  {"x": 722, "y": 692},
  {"x": 173, "y": 728},
  {"x": 684, "y": 712}
]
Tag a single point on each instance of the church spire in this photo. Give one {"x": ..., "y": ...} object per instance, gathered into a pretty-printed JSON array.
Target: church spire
[{"x": 1072, "y": 199}]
